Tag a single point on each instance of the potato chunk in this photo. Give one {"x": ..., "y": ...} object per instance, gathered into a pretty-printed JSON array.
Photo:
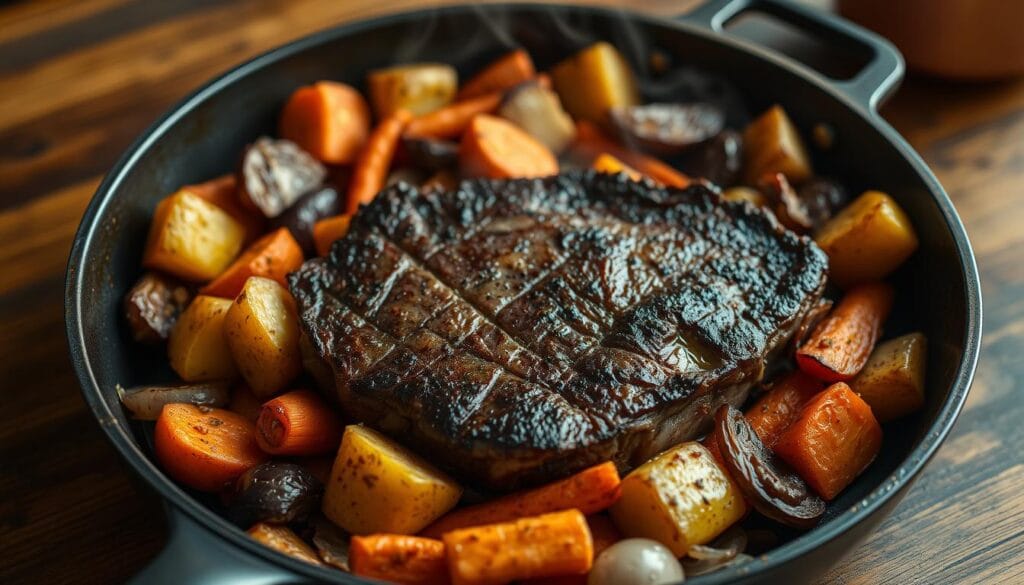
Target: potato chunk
[
  {"x": 867, "y": 240},
  {"x": 420, "y": 88},
  {"x": 263, "y": 334},
  {"x": 192, "y": 238},
  {"x": 892, "y": 382},
  {"x": 772, "y": 144},
  {"x": 197, "y": 347},
  {"x": 377, "y": 485},
  {"x": 679, "y": 498},
  {"x": 593, "y": 81}
]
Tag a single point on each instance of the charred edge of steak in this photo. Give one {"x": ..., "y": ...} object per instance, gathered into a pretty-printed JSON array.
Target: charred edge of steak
[{"x": 517, "y": 331}]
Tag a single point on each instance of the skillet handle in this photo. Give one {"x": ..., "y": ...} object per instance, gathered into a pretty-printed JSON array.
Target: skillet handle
[
  {"x": 871, "y": 86},
  {"x": 195, "y": 556}
]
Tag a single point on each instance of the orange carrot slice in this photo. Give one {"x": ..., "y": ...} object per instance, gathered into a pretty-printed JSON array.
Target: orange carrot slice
[
  {"x": 509, "y": 70},
  {"x": 498, "y": 149},
  {"x": 298, "y": 423},
  {"x": 407, "y": 560},
  {"x": 329, "y": 120},
  {"x": 452, "y": 120},
  {"x": 272, "y": 256}
]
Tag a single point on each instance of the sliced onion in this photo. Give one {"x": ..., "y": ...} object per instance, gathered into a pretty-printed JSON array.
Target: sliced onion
[
  {"x": 693, "y": 568},
  {"x": 146, "y": 402},
  {"x": 331, "y": 542},
  {"x": 722, "y": 549}
]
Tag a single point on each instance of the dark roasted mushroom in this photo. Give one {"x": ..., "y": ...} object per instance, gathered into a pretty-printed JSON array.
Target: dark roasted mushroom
[
  {"x": 152, "y": 306},
  {"x": 788, "y": 207},
  {"x": 822, "y": 198},
  {"x": 146, "y": 402},
  {"x": 774, "y": 490},
  {"x": 275, "y": 173},
  {"x": 309, "y": 209},
  {"x": 718, "y": 160},
  {"x": 667, "y": 128},
  {"x": 275, "y": 492}
]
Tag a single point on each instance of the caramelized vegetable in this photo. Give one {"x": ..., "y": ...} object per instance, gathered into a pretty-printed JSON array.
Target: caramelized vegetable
[
  {"x": 273, "y": 256},
  {"x": 275, "y": 173},
  {"x": 538, "y": 546},
  {"x": 539, "y": 112},
  {"x": 276, "y": 492},
  {"x": 332, "y": 543},
  {"x": 666, "y": 128},
  {"x": 822, "y": 198},
  {"x": 591, "y": 142},
  {"x": 283, "y": 540},
  {"x": 753, "y": 196},
  {"x": 718, "y": 160},
  {"x": 152, "y": 306},
  {"x": 772, "y": 144},
  {"x": 378, "y": 486},
  {"x": 607, "y": 163},
  {"x": 262, "y": 332},
  {"x": 867, "y": 240},
  {"x": 298, "y": 423},
  {"x": 372, "y": 166},
  {"x": 498, "y": 149},
  {"x": 223, "y": 192},
  {"x": 191, "y": 238},
  {"x": 788, "y": 207},
  {"x": 146, "y": 402},
  {"x": 420, "y": 88},
  {"x": 197, "y": 347},
  {"x": 892, "y": 382},
  {"x": 510, "y": 70},
  {"x": 593, "y": 81},
  {"x": 588, "y": 491},
  {"x": 452, "y": 121},
  {"x": 397, "y": 558},
  {"x": 833, "y": 441},
  {"x": 431, "y": 154},
  {"x": 327, "y": 231},
  {"x": 774, "y": 491},
  {"x": 304, "y": 213},
  {"x": 204, "y": 448},
  {"x": 329, "y": 120},
  {"x": 841, "y": 344},
  {"x": 679, "y": 498}
]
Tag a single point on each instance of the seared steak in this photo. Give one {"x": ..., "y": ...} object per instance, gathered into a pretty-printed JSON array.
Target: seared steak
[{"x": 517, "y": 331}]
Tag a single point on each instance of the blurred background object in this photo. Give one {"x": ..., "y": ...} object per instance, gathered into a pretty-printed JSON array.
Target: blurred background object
[{"x": 956, "y": 39}]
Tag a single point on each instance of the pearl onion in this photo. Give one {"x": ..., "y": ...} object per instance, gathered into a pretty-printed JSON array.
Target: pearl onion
[{"x": 636, "y": 561}]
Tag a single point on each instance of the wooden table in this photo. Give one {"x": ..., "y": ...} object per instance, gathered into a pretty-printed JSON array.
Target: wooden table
[{"x": 80, "y": 79}]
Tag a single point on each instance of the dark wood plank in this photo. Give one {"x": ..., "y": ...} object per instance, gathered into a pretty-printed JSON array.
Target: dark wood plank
[{"x": 80, "y": 79}]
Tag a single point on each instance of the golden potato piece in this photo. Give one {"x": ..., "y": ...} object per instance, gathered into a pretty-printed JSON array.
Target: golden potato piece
[
  {"x": 197, "y": 347},
  {"x": 867, "y": 240},
  {"x": 192, "y": 238},
  {"x": 263, "y": 334},
  {"x": 377, "y": 485},
  {"x": 892, "y": 382},
  {"x": 420, "y": 88},
  {"x": 679, "y": 498},
  {"x": 772, "y": 144},
  {"x": 593, "y": 81}
]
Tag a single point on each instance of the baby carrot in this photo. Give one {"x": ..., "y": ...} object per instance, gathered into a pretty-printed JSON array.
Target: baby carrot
[
  {"x": 206, "y": 449},
  {"x": 273, "y": 256},
  {"x": 298, "y": 423},
  {"x": 540, "y": 546},
  {"x": 589, "y": 491},
  {"x": 329, "y": 120},
  {"x": 591, "y": 142},
  {"x": 498, "y": 149},
  {"x": 406, "y": 560},
  {"x": 841, "y": 344},
  {"x": 452, "y": 120},
  {"x": 326, "y": 231},
  {"x": 512, "y": 68},
  {"x": 372, "y": 165}
]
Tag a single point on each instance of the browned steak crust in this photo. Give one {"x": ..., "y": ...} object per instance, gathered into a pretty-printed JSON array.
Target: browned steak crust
[{"x": 516, "y": 331}]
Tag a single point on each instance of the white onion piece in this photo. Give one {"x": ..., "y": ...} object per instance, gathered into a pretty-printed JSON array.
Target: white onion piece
[
  {"x": 636, "y": 561},
  {"x": 695, "y": 568},
  {"x": 146, "y": 402},
  {"x": 723, "y": 549}
]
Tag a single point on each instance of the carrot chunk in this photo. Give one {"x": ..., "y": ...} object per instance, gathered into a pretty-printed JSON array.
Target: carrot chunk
[
  {"x": 452, "y": 120},
  {"x": 589, "y": 491},
  {"x": 841, "y": 344},
  {"x": 326, "y": 231},
  {"x": 512, "y": 68},
  {"x": 498, "y": 149},
  {"x": 835, "y": 438},
  {"x": 206, "y": 449},
  {"x": 371, "y": 168},
  {"x": 607, "y": 163},
  {"x": 407, "y": 560},
  {"x": 272, "y": 256},
  {"x": 540, "y": 546},
  {"x": 329, "y": 120},
  {"x": 298, "y": 423},
  {"x": 591, "y": 142},
  {"x": 603, "y": 533}
]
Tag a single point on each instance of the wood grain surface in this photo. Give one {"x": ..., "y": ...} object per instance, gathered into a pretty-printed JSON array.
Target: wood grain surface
[{"x": 79, "y": 79}]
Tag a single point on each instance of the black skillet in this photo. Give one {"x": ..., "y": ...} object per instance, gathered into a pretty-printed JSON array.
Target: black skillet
[{"x": 201, "y": 137}]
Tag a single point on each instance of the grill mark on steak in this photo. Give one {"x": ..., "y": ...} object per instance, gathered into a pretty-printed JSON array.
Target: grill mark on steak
[{"x": 520, "y": 330}]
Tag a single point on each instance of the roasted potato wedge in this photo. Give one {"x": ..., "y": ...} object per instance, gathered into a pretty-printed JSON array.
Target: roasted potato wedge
[
  {"x": 679, "y": 498},
  {"x": 197, "y": 347},
  {"x": 772, "y": 144},
  {"x": 593, "y": 81},
  {"x": 262, "y": 332},
  {"x": 192, "y": 238},
  {"x": 377, "y": 485},
  {"x": 867, "y": 240},
  {"x": 420, "y": 88},
  {"x": 892, "y": 382}
]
